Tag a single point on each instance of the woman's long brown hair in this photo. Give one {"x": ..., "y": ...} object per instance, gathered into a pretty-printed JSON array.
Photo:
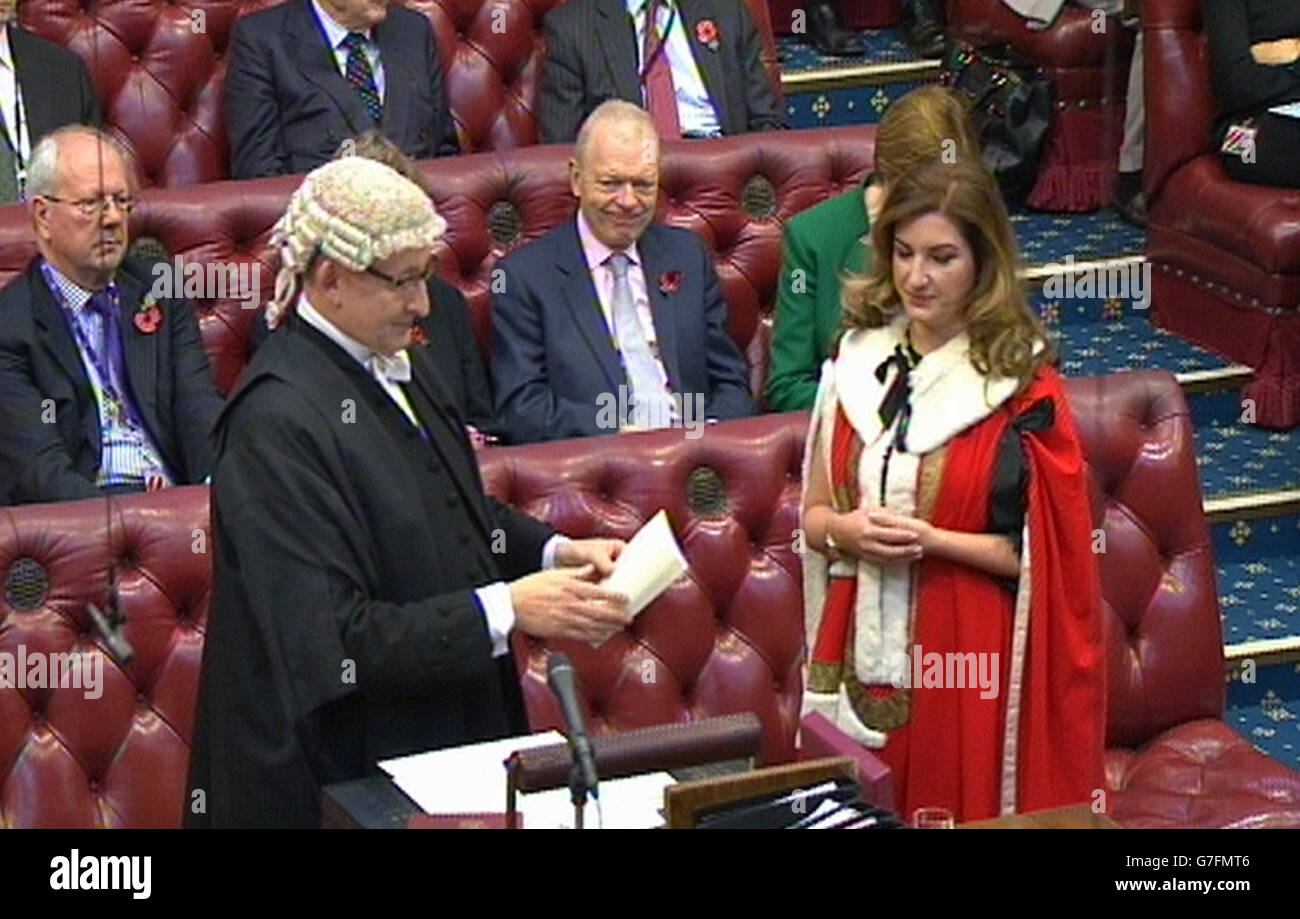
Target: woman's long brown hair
[{"x": 1002, "y": 330}]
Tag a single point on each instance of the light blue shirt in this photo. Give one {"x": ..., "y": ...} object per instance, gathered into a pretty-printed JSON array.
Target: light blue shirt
[
  {"x": 336, "y": 33},
  {"x": 694, "y": 108},
  {"x": 127, "y": 456}
]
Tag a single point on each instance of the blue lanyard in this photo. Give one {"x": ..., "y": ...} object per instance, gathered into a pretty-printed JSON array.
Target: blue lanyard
[{"x": 101, "y": 361}]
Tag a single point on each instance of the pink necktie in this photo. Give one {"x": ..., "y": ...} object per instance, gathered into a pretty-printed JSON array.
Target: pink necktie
[{"x": 661, "y": 95}]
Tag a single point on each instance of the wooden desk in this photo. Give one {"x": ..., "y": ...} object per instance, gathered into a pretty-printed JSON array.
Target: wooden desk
[{"x": 1076, "y": 817}]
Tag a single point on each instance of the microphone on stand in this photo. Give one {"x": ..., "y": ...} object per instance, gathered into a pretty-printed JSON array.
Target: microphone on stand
[
  {"x": 563, "y": 682},
  {"x": 109, "y": 621}
]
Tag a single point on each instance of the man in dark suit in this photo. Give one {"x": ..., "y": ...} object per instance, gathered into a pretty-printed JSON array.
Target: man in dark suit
[
  {"x": 307, "y": 74},
  {"x": 365, "y": 587},
  {"x": 103, "y": 385},
  {"x": 697, "y": 71},
  {"x": 610, "y": 311},
  {"x": 42, "y": 87}
]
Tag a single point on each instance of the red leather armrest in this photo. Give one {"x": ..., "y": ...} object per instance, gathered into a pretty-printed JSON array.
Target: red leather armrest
[{"x": 819, "y": 738}]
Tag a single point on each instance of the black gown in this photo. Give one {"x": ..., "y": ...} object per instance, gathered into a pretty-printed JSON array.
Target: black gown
[{"x": 344, "y": 629}]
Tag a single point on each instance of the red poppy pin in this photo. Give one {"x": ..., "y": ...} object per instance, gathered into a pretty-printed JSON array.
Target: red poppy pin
[
  {"x": 670, "y": 281},
  {"x": 148, "y": 316},
  {"x": 706, "y": 33},
  {"x": 418, "y": 336}
]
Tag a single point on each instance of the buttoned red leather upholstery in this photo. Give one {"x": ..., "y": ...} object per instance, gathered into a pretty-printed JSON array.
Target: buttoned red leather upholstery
[
  {"x": 1225, "y": 256},
  {"x": 727, "y": 639},
  {"x": 118, "y": 760},
  {"x": 733, "y": 191},
  {"x": 1171, "y": 761},
  {"x": 1090, "y": 72},
  {"x": 159, "y": 69}
]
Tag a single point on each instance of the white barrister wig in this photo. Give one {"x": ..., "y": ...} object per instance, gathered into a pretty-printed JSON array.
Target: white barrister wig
[{"x": 355, "y": 211}]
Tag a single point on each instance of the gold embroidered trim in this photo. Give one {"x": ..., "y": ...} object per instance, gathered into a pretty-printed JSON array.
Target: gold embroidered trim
[
  {"x": 879, "y": 714},
  {"x": 929, "y": 478},
  {"x": 824, "y": 677}
]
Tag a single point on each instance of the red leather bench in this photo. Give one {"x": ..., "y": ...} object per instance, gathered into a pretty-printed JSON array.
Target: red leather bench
[
  {"x": 1226, "y": 255},
  {"x": 1090, "y": 72},
  {"x": 735, "y": 192},
  {"x": 729, "y": 639},
  {"x": 159, "y": 75}
]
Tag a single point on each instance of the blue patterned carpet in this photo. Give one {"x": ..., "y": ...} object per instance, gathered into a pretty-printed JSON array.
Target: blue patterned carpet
[
  {"x": 879, "y": 46},
  {"x": 836, "y": 107},
  {"x": 1048, "y": 238},
  {"x": 1267, "y": 713},
  {"x": 1259, "y": 578},
  {"x": 1237, "y": 458},
  {"x": 1127, "y": 341},
  {"x": 858, "y": 105}
]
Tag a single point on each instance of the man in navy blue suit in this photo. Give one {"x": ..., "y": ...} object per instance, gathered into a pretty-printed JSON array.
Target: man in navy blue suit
[
  {"x": 610, "y": 321},
  {"x": 307, "y": 74}
]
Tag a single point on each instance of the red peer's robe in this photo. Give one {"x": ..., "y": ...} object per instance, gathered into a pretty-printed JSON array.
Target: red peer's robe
[{"x": 955, "y": 749}]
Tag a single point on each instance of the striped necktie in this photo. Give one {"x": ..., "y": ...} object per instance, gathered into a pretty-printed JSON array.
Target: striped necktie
[
  {"x": 649, "y": 396},
  {"x": 360, "y": 75},
  {"x": 657, "y": 75}
]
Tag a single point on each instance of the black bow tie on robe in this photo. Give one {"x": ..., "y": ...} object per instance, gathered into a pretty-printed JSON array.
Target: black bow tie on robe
[{"x": 898, "y": 398}]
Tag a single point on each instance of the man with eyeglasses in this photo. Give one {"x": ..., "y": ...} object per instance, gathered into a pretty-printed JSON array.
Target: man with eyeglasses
[
  {"x": 611, "y": 321},
  {"x": 103, "y": 386},
  {"x": 365, "y": 586}
]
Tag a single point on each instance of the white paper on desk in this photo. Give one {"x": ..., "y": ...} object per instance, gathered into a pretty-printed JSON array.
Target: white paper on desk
[
  {"x": 625, "y": 804},
  {"x": 472, "y": 779},
  {"x": 648, "y": 565},
  {"x": 462, "y": 780},
  {"x": 1290, "y": 110}
]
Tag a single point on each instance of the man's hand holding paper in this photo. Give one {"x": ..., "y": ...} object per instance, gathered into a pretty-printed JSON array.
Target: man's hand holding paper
[
  {"x": 601, "y": 554},
  {"x": 648, "y": 565}
]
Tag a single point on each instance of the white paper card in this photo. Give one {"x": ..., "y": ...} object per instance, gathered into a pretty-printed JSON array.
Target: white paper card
[{"x": 648, "y": 565}]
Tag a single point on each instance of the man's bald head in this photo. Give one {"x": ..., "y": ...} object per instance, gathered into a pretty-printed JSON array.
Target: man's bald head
[
  {"x": 614, "y": 172},
  {"x": 81, "y": 196}
]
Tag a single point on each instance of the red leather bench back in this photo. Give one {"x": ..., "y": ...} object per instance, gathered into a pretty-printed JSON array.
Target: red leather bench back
[
  {"x": 159, "y": 69},
  {"x": 1164, "y": 648},
  {"x": 1180, "y": 101},
  {"x": 727, "y": 640},
  {"x": 118, "y": 760},
  {"x": 734, "y": 191}
]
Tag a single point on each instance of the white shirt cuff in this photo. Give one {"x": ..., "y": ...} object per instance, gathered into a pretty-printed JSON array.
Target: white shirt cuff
[
  {"x": 499, "y": 611},
  {"x": 548, "y": 551}
]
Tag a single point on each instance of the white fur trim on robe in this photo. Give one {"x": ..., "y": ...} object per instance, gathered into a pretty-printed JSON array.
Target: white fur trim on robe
[{"x": 948, "y": 396}]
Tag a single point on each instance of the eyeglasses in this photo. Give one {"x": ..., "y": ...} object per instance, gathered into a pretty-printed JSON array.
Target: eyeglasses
[
  {"x": 402, "y": 285},
  {"x": 96, "y": 206}
]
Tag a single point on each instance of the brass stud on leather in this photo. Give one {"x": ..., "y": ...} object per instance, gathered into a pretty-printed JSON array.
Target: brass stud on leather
[
  {"x": 705, "y": 493},
  {"x": 758, "y": 198},
  {"x": 505, "y": 224},
  {"x": 27, "y": 584}
]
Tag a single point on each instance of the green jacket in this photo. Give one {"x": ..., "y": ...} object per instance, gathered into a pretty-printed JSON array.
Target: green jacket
[{"x": 824, "y": 242}]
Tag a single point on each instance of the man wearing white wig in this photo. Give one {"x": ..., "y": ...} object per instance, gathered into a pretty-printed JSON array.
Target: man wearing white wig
[{"x": 360, "y": 610}]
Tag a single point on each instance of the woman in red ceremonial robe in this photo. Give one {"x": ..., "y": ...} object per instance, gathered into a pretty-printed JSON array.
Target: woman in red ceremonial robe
[{"x": 951, "y": 597}]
